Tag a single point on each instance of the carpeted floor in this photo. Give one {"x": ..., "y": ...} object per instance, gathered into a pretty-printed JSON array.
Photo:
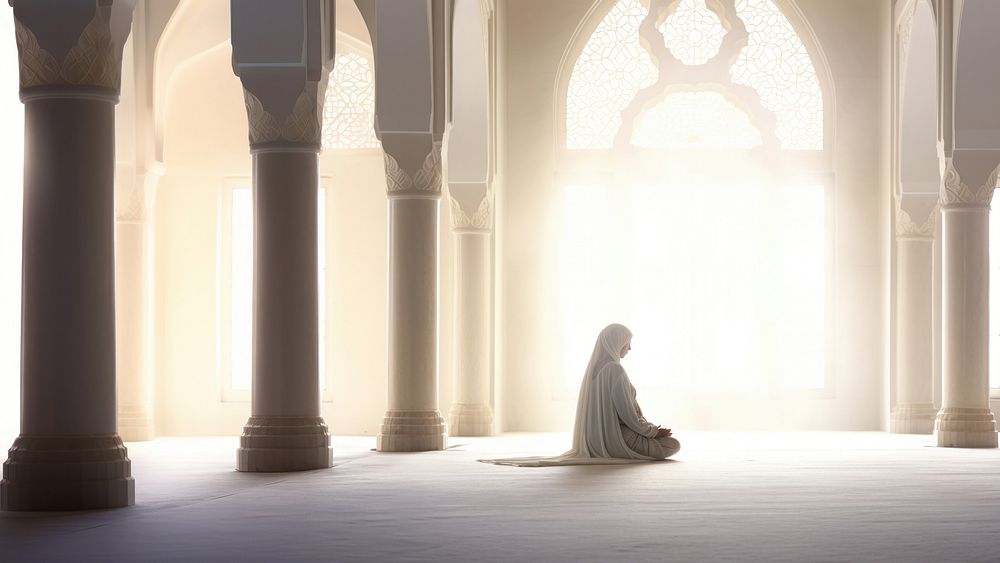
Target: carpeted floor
[{"x": 727, "y": 497}]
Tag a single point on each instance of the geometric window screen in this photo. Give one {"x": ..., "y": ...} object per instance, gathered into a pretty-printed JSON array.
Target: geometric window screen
[
  {"x": 776, "y": 64},
  {"x": 614, "y": 66},
  {"x": 693, "y": 33},
  {"x": 611, "y": 69},
  {"x": 349, "y": 108}
]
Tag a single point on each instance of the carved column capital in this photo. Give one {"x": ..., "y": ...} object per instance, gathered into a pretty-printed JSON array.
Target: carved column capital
[
  {"x": 424, "y": 181},
  {"x": 51, "y": 62},
  {"x": 134, "y": 192},
  {"x": 955, "y": 192},
  {"x": 479, "y": 221},
  {"x": 303, "y": 125},
  {"x": 906, "y": 227},
  {"x": 283, "y": 53}
]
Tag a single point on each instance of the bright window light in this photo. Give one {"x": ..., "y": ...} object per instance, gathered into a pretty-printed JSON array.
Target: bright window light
[
  {"x": 241, "y": 294},
  {"x": 802, "y": 286},
  {"x": 994, "y": 300},
  {"x": 695, "y": 120},
  {"x": 242, "y": 289},
  {"x": 590, "y": 297},
  {"x": 722, "y": 285}
]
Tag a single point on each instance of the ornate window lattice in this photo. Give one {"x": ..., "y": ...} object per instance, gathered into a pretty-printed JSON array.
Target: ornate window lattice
[
  {"x": 693, "y": 32},
  {"x": 349, "y": 109},
  {"x": 776, "y": 64},
  {"x": 615, "y": 65},
  {"x": 695, "y": 120},
  {"x": 611, "y": 69}
]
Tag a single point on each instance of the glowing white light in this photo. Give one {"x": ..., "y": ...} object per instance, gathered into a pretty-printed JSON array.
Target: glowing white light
[
  {"x": 241, "y": 333},
  {"x": 801, "y": 285},
  {"x": 695, "y": 120},
  {"x": 349, "y": 109},
  {"x": 994, "y": 299},
  {"x": 590, "y": 296},
  {"x": 723, "y": 288}
]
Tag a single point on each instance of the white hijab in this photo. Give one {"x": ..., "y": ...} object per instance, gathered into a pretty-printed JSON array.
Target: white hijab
[{"x": 597, "y": 435}]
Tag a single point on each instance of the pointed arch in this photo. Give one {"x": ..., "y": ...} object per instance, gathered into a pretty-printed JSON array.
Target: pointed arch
[{"x": 607, "y": 16}]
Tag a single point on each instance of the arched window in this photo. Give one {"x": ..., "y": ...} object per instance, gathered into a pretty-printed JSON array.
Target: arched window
[
  {"x": 683, "y": 124},
  {"x": 629, "y": 62},
  {"x": 349, "y": 108}
]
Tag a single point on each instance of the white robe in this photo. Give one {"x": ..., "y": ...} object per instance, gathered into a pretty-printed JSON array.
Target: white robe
[{"x": 607, "y": 400}]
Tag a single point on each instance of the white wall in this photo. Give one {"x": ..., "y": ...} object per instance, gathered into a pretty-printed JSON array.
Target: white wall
[
  {"x": 205, "y": 142},
  {"x": 534, "y": 399}
]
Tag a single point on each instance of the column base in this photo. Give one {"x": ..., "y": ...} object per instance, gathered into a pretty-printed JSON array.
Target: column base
[
  {"x": 284, "y": 443},
  {"x": 67, "y": 472},
  {"x": 965, "y": 428},
  {"x": 135, "y": 424},
  {"x": 470, "y": 420},
  {"x": 412, "y": 431},
  {"x": 913, "y": 419}
]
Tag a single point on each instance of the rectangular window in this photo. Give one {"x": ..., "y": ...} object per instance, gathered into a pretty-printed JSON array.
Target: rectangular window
[
  {"x": 994, "y": 321},
  {"x": 723, "y": 286},
  {"x": 236, "y": 290}
]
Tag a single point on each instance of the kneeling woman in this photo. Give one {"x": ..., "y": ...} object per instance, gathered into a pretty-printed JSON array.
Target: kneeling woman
[
  {"x": 609, "y": 426},
  {"x": 609, "y": 422}
]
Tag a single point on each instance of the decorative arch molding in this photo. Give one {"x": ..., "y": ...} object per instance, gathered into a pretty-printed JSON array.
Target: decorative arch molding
[
  {"x": 188, "y": 35},
  {"x": 648, "y": 96}
]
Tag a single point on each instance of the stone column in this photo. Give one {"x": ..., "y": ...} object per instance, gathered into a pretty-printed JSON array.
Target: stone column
[
  {"x": 470, "y": 177},
  {"x": 471, "y": 414},
  {"x": 133, "y": 311},
  {"x": 412, "y": 112},
  {"x": 413, "y": 421},
  {"x": 965, "y": 419},
  {"x": 69, "y": 454},
  {"x": 284, "y": 113},
  {"x": 914, "y": 410}
]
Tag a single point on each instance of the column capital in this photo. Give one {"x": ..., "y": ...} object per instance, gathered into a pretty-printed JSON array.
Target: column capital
[
  {"x": 134, "y": 191},
  {"x": 480, "y": 220},
  {"x": 916, "y": 215},
  {"x": 404, "y": 178},
  {"x": 302, "y": 125},
  {"x": 907, "y": 228},
  {"x": 283, "y": 53},
  {"x": 71, "y": 48},
  {"x": 971, "y": 164}
]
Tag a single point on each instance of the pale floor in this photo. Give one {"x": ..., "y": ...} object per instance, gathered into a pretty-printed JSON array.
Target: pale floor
[{"x": 862, "y": 496}]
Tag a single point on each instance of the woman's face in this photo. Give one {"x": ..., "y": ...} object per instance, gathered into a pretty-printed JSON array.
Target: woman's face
[{"x": 625, "y": 349}]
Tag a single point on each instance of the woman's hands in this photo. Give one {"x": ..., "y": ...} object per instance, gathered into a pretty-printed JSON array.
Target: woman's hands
[{"x": 663, "y": 432}]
